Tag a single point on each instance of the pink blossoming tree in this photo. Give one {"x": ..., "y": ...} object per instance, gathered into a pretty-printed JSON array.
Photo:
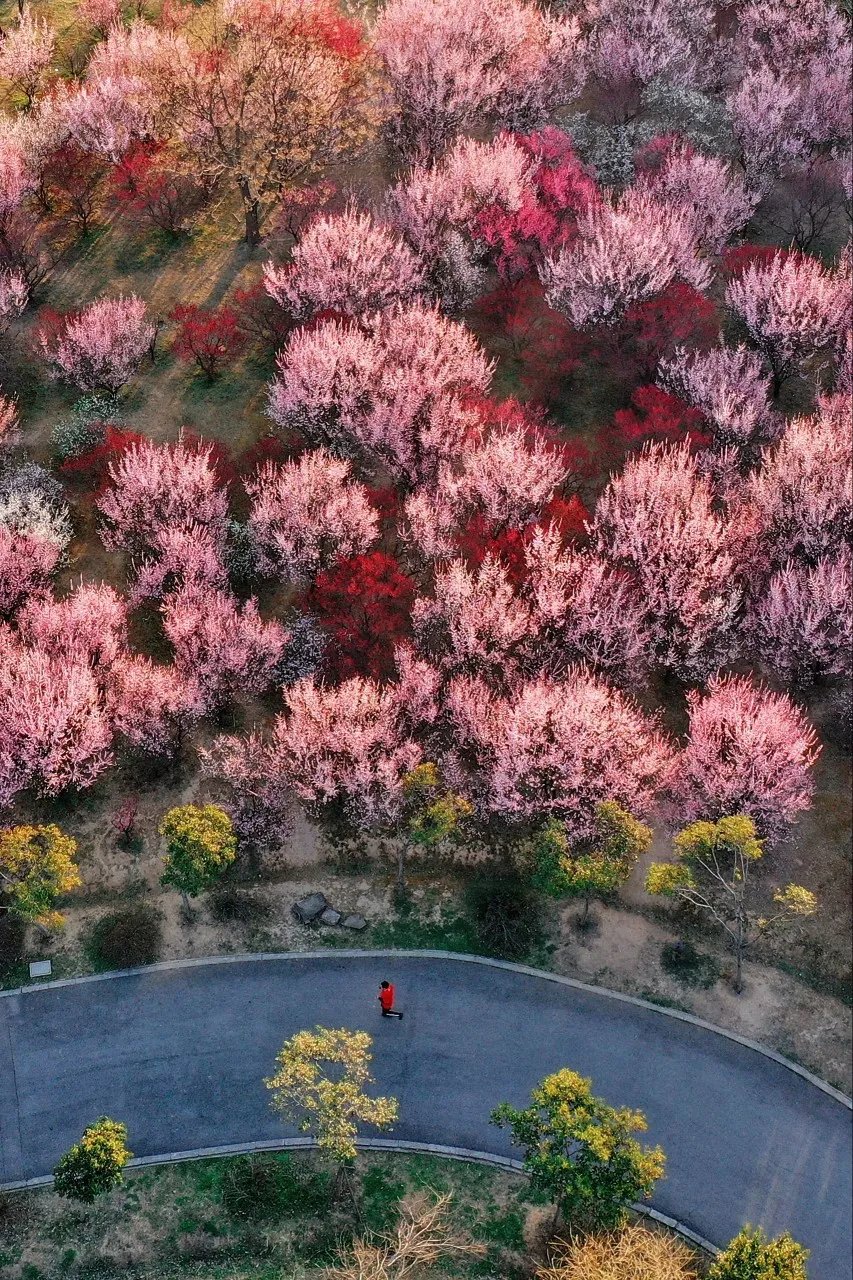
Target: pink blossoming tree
[{"x": 101, "y": 347}]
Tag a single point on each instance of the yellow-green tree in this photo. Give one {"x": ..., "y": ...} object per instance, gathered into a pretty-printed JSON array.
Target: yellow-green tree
[
  {"x": 320, "y": 1085},
  {"x": 712, "y": 871},
  {"x": 595, "y": 868},
  {"x": 200, "y": 845},
  {"x": 36, "y": 866},
  {"x": 431, "y": 814},
  {"x": 581, "y": 1151},
  {"x": 751, "y": 1256},
  {"x": 95, "y": 1164}
]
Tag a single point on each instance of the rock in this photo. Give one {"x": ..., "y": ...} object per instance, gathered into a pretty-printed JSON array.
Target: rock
[
  {"x": 308, "y": 909},
  {"x": 331, "y": 916},
  {"x": 354, "y": 922}
]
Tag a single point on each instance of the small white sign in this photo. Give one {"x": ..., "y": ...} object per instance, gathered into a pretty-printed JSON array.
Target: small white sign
[{"x": 40, "y": 969}]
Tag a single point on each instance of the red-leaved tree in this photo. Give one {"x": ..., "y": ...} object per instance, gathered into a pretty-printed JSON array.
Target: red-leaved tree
[{"x": 364, "y": 604}]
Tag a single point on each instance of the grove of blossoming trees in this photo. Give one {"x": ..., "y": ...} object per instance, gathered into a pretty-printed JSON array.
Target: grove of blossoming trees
[{"x": 510, "y": 439}]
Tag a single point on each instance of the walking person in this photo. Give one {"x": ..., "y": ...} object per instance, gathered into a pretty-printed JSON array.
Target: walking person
[{"x": 386, "y": 1001}]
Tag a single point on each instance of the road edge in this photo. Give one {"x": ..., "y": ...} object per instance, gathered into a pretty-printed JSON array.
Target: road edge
[
  {"x": 398, "y": 1147},
  {"x": 362, "y": 953}
]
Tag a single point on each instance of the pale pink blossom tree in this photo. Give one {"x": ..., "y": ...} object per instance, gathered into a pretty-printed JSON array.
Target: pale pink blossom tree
[
  {"x": 627, "y": 251},
  {"x": 102, "y": 346},
  {"x": 507, "y": 476},
  {"x": 345, "y": 262},
  {"x": 749, "y": 751},
  {"x": 26, "y": 55},
  {"x": 730, "y": 385},
  {"x": 657, "y": 521},
  {"x": 26, "y": 565},
  {"x": 554, "y": 749},
  {"x": 106, "y": 115},
  {"x": 474, "y": 622},
  {"x": 182, "y": 554},
  {"x": 55, "y": 727},
  {"x": 713, "y": 196},
  {"x": 454, "y": 66},
  {"x": 803, "y": 624},
  {"x": 222, "y": 649},
  {"x": 99, "y": 14},
  {"x": 395, "y": 387},
  {"x": 16, "y": 179},
  {"x": 633, "y": 42},
  {"x": 793, "y": 309},
  {"x": 9, "y": 421},
  {"x": 801, "y": 496},
  {"x": 153, "y": 487},
  {"x": 149, "y": 705},
  {"x": 766, "y": 112},
  {"x": 307, "y": 513},
  {"x": 13, "y": 297},
  {"x": 583, "y": 611},
  {"x": 90, "y": 624}
]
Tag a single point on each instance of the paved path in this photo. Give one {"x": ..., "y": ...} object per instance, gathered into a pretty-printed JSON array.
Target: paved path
[{"x": 179, "y": 1055}]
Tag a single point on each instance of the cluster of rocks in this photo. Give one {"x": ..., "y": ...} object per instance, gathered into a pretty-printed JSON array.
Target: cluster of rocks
[{"x": 315, "y": 908}]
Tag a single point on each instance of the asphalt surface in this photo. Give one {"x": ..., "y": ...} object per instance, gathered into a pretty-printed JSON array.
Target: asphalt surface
[{"x": 180, "y": 1054}]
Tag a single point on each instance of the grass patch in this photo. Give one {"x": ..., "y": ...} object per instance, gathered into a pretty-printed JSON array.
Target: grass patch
[
  {"x": 234, "y": 906},
  {"x": 262, "y": 1187},
  {"x": 693, "y": 968}
]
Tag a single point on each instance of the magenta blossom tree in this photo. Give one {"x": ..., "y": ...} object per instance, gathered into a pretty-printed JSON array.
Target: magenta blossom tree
[{"x": 803, "y": 624}]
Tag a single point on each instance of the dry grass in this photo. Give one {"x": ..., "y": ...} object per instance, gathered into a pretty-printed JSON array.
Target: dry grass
[
  {"x": 634, "y": 1253},
  {"x": 422, "y": 1237}
]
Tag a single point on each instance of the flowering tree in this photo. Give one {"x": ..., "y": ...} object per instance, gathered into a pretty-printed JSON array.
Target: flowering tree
[
  {"x": 347, "y": 263},
  {"x": 149, "y": 705},
  {"x": 13, "y": 297},
  {"x": 792, "y": 308},
  {"x": 26, "y": 54},
  {"x": 266, "y": 92},
  {"x": 453, "y": 66},
  {"x": 627, "y": 250},
  {"x": 802, "y": 625},
  {"x": 9, "y": 421},
  {"x": 712, "y": 195},
  {"x": 395, "y": 387},
  {"x": 26, "y": 564},
  {"x": 364, "y": 605},
  {"x": 75, "y": 180},
  {"x": 749, "y": 752},
  {"x": 100, "y": 347},
  {"x": 99, "y": 14},
  {"x": 731, "y": 387},
  {"x": 209, "y": 336},
  {"x": 657, "y": 521},
  {"x": 157, "y": 486},
  {"x": 221, "y": 648},
  {"x": 90, "y": 624},
  {"x": 554, "y": 749},
  {"x": 474, "y": 622},
  {"x": 557, "y": 187},
  {"x": 800, "y": 497},
  {"x": 56, "y": 732},
  {"x": 583, "y": 610},
  {"x": 308, "y": 513}
]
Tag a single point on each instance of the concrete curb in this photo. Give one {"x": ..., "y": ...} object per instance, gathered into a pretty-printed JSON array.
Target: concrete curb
[
  {"x": 368, "y": 1144},
  {"x": 351, "y": 954}
]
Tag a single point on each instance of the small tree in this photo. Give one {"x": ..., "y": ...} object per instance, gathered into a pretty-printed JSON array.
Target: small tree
[
  {"x": 210, "y": 336},
  {"x": 592, "y": 869},
  {"x": 751, "y": 1256},
  {"x": 431, "y": 814},
  {"x": 95, "y": 1163},
  {"x": 201, "y": 845},
  {"x": 320, "y": 1085},
  {"x": 581, "y": 1151},
  {"x": 423, "y": 1235},
  {"x": 711, "y": 871},
  {"x": 36, "y": 866}
]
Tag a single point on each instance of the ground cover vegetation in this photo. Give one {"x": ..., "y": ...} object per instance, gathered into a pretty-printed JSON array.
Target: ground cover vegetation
[{"x": 432, "y": 420}]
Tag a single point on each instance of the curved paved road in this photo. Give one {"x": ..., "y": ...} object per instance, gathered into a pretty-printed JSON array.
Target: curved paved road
[{"x": 179, "y": 1054}]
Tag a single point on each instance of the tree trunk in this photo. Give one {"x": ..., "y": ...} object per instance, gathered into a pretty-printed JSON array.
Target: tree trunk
[
  {"x": 401, "y": 868},
  {"x": 585, "y": 915},
  {"x": 739, "y": 960},
  {"x": 187, "y": 909},
  {"x": 252, "y": 212}
]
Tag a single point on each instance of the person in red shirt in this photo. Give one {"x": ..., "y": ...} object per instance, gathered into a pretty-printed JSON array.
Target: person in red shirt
[{"x": 386, "y": 1001}]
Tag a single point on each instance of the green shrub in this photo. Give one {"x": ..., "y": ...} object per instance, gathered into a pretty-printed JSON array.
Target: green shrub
[
  {"x": 752, "y": 1256},
  {"x": 506, "y": 916},
  {"x": 83, "y": 428},
  {"x": 694, "y": 968},
  {"x": 125, "y": 939},
  {"x": 229, "y": 905},
  {"x": 267, "y": 1186}
]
